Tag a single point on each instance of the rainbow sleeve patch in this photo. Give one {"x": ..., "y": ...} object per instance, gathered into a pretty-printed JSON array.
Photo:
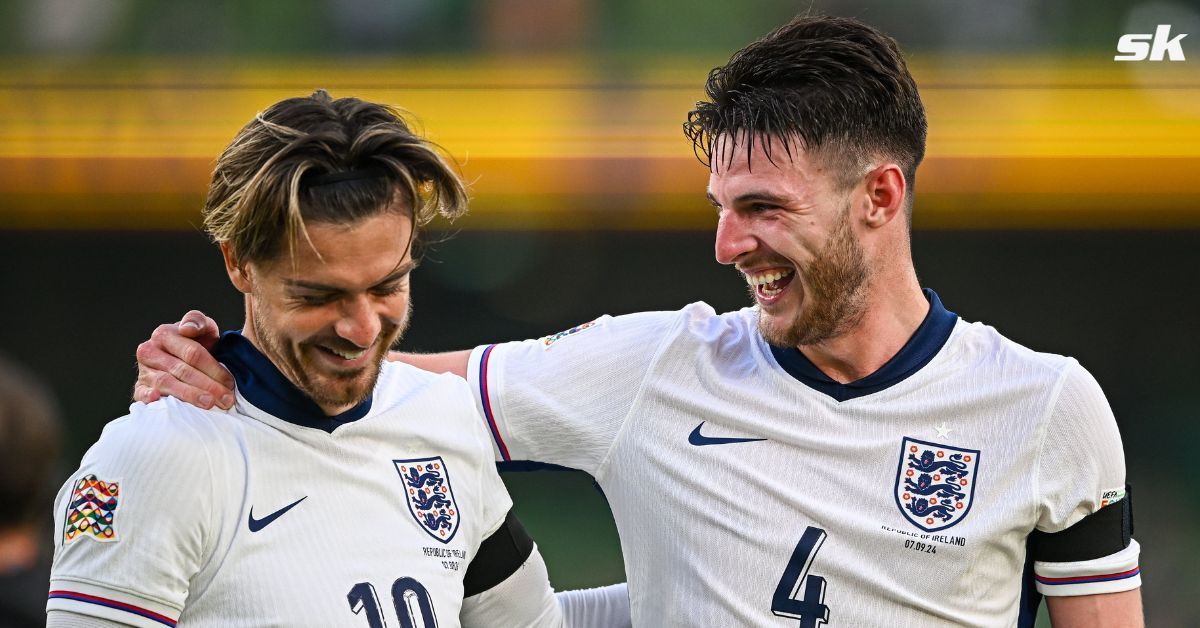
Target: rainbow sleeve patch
[
  {"x": 92, "y": 510},
  {"x": 551, "y": 339}
]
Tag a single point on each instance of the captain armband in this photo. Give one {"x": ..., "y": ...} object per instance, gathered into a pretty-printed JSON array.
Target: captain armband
[
  {"x": 1102, "y": 533},
  {"x": 499, "y": 556}
]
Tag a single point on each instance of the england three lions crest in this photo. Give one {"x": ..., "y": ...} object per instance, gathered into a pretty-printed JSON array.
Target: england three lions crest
[
  {"x": 935, "y": 484},
  {"x": 429, "y": 495}
]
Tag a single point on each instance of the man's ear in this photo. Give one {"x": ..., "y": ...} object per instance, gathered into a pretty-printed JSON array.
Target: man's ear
[
  {"x": 885, "y": 190},
  {"x": 238, "y": 273}
]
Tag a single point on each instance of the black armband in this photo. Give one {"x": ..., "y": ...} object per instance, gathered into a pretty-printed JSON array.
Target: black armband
[
  {"x": 1102, "y": 533},
  {"x": 499, "y": 556}
]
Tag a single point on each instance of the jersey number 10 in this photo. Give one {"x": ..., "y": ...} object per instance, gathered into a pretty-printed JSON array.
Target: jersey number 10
[
  {"x": 810, "y": 607},
  {"x": 411, "y": 599}
]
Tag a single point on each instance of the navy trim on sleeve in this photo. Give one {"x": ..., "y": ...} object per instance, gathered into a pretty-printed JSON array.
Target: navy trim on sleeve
[
  {"x": 499, "y": 556},
  {"x": 1102, "y": 533}
]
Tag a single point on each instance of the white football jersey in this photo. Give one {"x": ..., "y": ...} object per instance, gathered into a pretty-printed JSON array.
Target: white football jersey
[
  {"x": 283, "y": 517},
  {"x": 749, "y": 489}
]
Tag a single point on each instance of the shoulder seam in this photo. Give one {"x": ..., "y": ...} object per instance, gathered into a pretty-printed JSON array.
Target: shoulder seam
[{"x": 1044, "y": 428}]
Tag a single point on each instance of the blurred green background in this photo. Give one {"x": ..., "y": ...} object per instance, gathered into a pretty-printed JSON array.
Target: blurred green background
[{"x": 1057, "y": 202}]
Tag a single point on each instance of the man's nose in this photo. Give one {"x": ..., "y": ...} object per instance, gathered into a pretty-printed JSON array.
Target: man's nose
[
  {"x": 734, "y": 239},
  {"x": 359, "y": 323}
]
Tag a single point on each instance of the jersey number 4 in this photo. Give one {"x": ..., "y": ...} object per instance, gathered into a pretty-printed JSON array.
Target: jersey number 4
[
  {"x": 809, "y": 607},
  {"x": 411, "y": 599}
]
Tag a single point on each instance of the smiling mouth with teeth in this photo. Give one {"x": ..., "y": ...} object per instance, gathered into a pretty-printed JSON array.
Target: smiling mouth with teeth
[
  {"x": 770, "y": 283},
  {"x": 346, "y": 355}
]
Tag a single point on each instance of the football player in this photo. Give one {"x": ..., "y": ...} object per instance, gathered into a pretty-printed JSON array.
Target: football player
[
  {"x": 336, "y": 490},
  {"x": 846, "y": 451}
]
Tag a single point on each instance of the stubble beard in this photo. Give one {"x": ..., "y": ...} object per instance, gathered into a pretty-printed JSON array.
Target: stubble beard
[
  {"x": 835, "y": 293},
  {"x": 325, "y": 388}
]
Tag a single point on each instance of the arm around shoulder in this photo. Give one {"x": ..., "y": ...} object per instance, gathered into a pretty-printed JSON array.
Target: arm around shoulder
[
  {"x": 563, "y": 398},
  {"x": 449, "y": 362}
]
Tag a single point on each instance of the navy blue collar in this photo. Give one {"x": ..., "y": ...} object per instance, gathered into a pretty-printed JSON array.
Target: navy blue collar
[
  {"x": 261, "y": 383},
  {"x": 916, "y": 353}
]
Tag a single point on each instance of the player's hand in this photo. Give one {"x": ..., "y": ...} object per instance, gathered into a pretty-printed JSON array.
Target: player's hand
[{"x": 177, "y": 362}]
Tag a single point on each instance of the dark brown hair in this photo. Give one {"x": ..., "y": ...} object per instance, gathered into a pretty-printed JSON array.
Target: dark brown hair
[{"x": 837, "y": 86}]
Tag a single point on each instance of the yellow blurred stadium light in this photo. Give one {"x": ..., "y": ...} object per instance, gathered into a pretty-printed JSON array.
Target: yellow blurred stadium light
[{"x": 558, "y": 143}]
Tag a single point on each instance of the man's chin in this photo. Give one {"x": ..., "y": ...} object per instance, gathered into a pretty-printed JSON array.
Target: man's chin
[
  {"x": 332, "y": 387},
  {"x": 344, "y": 390},
  {"x": 340, "y": 397},
  {"x": 791, "y": 330},
  {"x": 777, "y": 330}
]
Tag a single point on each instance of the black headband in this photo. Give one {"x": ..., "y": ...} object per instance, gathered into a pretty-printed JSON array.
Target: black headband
[{"x": 373, "y": 172}]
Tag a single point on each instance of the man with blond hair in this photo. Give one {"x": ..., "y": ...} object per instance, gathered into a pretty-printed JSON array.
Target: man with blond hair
[{"x": 337, "y": 490}]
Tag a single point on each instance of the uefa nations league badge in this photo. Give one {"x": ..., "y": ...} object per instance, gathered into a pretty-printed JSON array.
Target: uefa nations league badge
[
  {"x": 429, "y": 495},
  {"x": 935, "y": 484}
]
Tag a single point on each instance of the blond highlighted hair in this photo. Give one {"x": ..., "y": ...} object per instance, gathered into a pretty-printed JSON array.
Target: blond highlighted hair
[{"x": 317, "y": 159}]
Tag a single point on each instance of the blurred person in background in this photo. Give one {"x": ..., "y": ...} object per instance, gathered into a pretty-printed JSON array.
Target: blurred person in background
[
  {"x": 30, "y": 438},
  {"x": 337, "y": 490},
  {"x": 846, "y": 451}
]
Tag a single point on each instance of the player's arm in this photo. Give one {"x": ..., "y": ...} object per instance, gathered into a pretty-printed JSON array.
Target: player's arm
[
  {"x": 1107, "y": 610},
  {"x": 176, "y": 361},
  {"x": 600, "y": 607},
  {"x": 1085, "y": 557},
  {"x": 449, "y": 362},
  {"x": 133, "y": 523},
  {"x": 564, "y": 398},
  {"x": 507, "y": 585}
]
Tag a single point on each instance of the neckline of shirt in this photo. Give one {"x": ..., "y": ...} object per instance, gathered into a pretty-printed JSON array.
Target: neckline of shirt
[
  {"x": 261, "y": 383},
  {"x": 925, "y": 343}
]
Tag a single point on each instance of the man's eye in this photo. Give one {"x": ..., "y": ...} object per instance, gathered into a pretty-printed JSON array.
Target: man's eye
[
  {"x": 313, "y": 299},
  {"x": 388, "y": 290},
  {"x": 762, "y": 207},
  {"x": 392, "y": 287}
]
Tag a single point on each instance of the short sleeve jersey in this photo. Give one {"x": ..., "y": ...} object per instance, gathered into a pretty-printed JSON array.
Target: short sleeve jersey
[
  {"x": 749, "y": 489},
  {"x": 281, "y": 517}
]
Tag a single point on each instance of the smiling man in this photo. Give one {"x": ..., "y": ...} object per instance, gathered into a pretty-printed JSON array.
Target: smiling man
[
  {"x": 846, "y": 451},
  {"x": 338, "y": 490},
  {"x": 767, "y": 246}
]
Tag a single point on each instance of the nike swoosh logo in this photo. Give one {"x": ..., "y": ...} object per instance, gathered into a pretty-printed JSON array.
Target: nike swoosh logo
[
  {"x": 699, "y": 440},
  {"x": 258, "y": 524}
]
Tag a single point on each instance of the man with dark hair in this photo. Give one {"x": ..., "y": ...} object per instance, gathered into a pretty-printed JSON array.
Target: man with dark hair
[
  {"x": 847, "y": 451},
  {"x": 337, "y": 490},
  {"x": 30, "y": 439}
]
